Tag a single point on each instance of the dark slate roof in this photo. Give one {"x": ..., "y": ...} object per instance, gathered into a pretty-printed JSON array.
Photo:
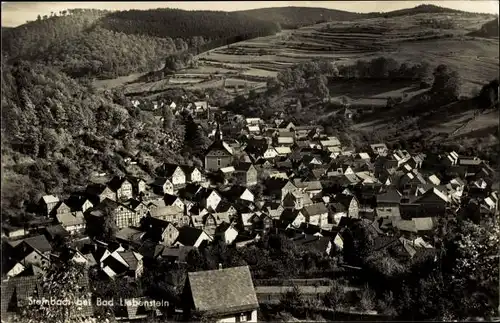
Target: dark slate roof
[
  {"x": 159, "y": 181},
  {"x": 116, "y": 182},
  {"x": 275, "y": 184},
  {"x": 169, "y": 199},
  {"x": 187, "y": 169},
  {"x": 151, "y": 250},
  {"x": 39, "y": 243},
  {"x": 75, "y": 202},
  {"x": 180, "y": 254},
  {"x": 218, "y": 145},
  {"x": 223, "y": 206},
  {"x": 288, "y": 215},
  {"x": 243, "y": 167},
  {"x": 56, "y": 231},
  {"x": 190, "y": 190},
  {"x": 204, "y": 193},
  {"x": 130, "y": 259},
  {"x": 390, "y": 196},
  {"x": 224, "y": 291},
  {"x": 188, "y": 235},
  {"x": 132, "y": 203},
  {"x": 234, "y": 192},
  {"x": 315, "y": 209},
  {"x": 167, "y": 170},
  {"x": 221, "y": 228},
  {"x": 318, "y": 244},
  {"x": 95, "y": 189},
  {"x": 343, "y": 199}
]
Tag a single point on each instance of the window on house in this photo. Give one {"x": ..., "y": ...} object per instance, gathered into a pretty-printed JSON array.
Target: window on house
[
  {"x": 129, "y": 221},
  {"x": 218, "y": 161}
]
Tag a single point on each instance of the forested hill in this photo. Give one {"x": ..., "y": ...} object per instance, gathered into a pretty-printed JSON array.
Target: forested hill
[
  {"x": 294, "y": 17},
  {"x": 178, "y": 23},
  {"x": 36, "y": 36},
  {"x": 95, "y": 43},
  {"x": 424, "y": 8}
]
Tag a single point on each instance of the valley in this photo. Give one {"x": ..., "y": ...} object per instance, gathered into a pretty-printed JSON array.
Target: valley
[{"x": 246, "y": 65}]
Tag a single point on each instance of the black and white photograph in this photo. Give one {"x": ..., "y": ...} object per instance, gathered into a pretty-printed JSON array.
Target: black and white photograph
[{"x": 250, "y": 161}]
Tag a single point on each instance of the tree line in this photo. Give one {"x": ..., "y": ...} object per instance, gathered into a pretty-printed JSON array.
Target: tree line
[
  {"x": 178, "y": 23},
  {"x": 94, "y": 43}
]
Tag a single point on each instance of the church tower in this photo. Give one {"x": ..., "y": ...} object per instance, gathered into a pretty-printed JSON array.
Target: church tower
[{"x": 218, "y": 155}]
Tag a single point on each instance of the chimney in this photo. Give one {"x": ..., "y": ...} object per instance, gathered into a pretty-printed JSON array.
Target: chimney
[{"x": 220, "y": 266}]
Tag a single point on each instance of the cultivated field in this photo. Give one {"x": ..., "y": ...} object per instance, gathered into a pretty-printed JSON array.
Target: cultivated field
[{"x": 436, "y": 38}]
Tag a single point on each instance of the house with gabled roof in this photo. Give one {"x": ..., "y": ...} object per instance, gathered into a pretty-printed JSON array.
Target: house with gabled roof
[
  {"x": 97, "y": 193},
  {"x": 121, "y": 187},
  {"x": 296, "y": 200},
  {"x": 173, "y": 200},
  {"x": 123, "y": 215},
  {"x": 174, "y": 173},
  {"x": 13, "y": 232},
  {"x": 278, "y": 188},
  {"x": 48, "y": 203},
  {"x": 226, "y": 232},
  {"x": 316, "y": 214},
  {"x": 159, "y": 231},
  {"x": 162, "y": 185},
  {"x": 346, "y": 202},
  {"x": 191, "y": 237},
  {"x": 245, "y": 174},
  {"x": 130, "y": 236},
  {"x": 212, "y": 220},
  {"x": 237, "y": 192},
  {"x": 218, "y": 155},
  {"x": 379, "y": 149},
  {"x": 193, "y": 174},
  {"x": 121, "y": 262},
  {"x": 72, "y": 222},
  {"x": 223, "y": 295},
  {"x": 208, "y": 198},
  {"x": 26, "y": 253}
]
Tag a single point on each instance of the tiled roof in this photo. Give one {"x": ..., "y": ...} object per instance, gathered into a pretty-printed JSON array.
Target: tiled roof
[
  {"x": 68, "y": 219},
  {"x": 390, "y": 196},
  {"x": 179, "y": 253},
  {"x": 39, "y": 243},
  {"x": 224, "y": 291},
  {"x": 188, "y": 235},
  {"x": 315, "y": 209},
  {"x": 131, "y": 258}
]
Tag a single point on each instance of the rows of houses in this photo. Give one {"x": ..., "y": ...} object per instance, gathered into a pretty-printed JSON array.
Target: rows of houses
[{"x": 281, "y": 178}]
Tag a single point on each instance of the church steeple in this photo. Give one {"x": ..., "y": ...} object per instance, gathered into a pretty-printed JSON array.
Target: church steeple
[{"x": 217, "y": 135}]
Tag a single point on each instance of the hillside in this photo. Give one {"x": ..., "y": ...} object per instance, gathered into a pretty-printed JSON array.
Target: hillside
[
  {"x": 101, "y": 44},
  {"x": 176, "y": 23},
  {"x": 294, "y": 17},
  {"x": 421, "y": 9},
  {"x": 488, "y": 30},
  {"x": 436, "y": 38},
  {"x": 32, "y": 38}
]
